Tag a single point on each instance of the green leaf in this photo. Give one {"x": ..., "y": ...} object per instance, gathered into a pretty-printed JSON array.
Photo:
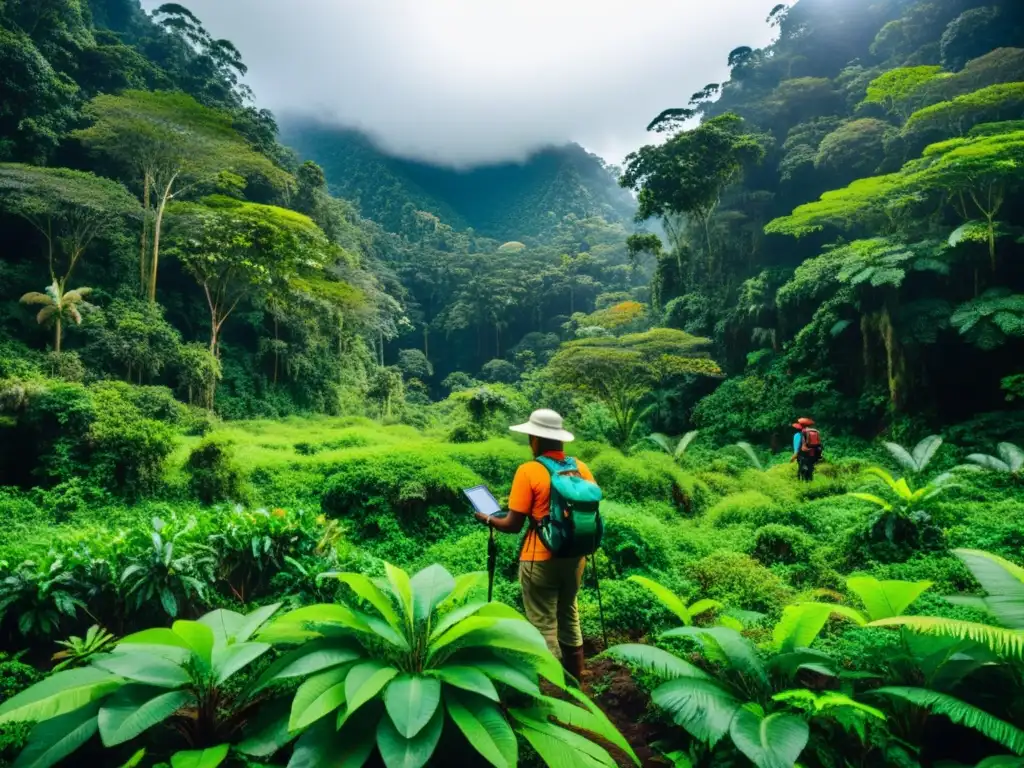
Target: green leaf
[
  {"x": 364, "y": 587},
  {"x": 411, "y": 701},
  {"x": 230, "y": 659},
  {"x": 136, "y": 708},
  {"x": 324, "y": 613},
  {"x": 561, "y": 748},
  {"x": 269, "y": 733},
  {"x": 801, "y": 624},
  {"x": 322, "y": 745},
  {"x": 702, "y": 707},
  {"x": 314, "y": 656},
  {"x": 203, "y": 758},
  {"x": 666, "y": 597},
  {"x": 925, "y": 450},
  {"x": 429, "y": 587},
  {"x": 399, "y": 752},
  {"x": 662, "y": 663},
  {"x": 199, "y": 638},
  {"x": 726, "y": 646},
  {"x": 484, "y": 727},
  {"x": 59, "y": 694},
  {"x": 775, "y": 741},
  {"x": 961, "y": 713},
  {"x": 135, "y": 759},
  {"x": 509, "y": 634},
  {"x": 160, "y": 636},
  {"x": 364, "y": 681},
  {"x": 870, "y": 497},
  {"x": 402, "y": 588},
  {"x": 143, "y": 668},
  {"x": 593, "y": 721},
  {"x": 464, "y": 584},
  {"x": 468, "y": 679},
  {"x": 1002, "y": 580},
  {"x": 317, "y": 697},
  {"x": 884, "y": 599},
  {"x": 54, "y": 739},
  {"x": 453, "y": 617},
  {"x": 514, "y": 678},
  {"x": 1002, "y": 642}
]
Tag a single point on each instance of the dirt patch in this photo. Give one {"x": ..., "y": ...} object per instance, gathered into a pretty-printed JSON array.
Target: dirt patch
[{"x": 612, "y": 687}]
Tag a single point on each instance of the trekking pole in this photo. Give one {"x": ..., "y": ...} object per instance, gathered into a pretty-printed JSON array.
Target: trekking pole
[
  {"x": 492, "y": 561},
  {"x": 600, "y": 605}
]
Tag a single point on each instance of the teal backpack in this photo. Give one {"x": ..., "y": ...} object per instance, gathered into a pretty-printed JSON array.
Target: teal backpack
[{"x": 573, "y": 527}]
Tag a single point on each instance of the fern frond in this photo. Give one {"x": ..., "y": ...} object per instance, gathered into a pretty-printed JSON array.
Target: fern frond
[
  {"x": 1002, "y": 642},
  {"x": 961, "y": 713}
]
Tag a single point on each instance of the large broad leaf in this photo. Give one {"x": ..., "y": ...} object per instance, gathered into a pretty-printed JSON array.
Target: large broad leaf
[
  {"x": 959, "y": 712},
  {"x": 885, "y": 599},
  {"x": 666, "y": 597},
  {"x": 230, "y": 659},
  {"x": 1002, "y": 580},
  {"x": 468, "y": 679},
  {"x": 143, "y": 668},
  {"x": 159, "y": 636},
  {"x": 59, "y": 694},
  {"x": 586, "y": 716},
  {"x": 512, "y": 676},
  {"x": 323, "y": 745},
  {"x": 429, "y": 587},
  {"x": 484, "y": 727},
  {"x": 801, "y": 624},
  {"x": 224, "y": 624},
  {"x": 53, "y": 740},
  {"x": 411, "y": 701},
  {"x": 364, "y": 587},
  {"x": 136, "y": 708},
  {"x": 1013, "y": 455},
  {"x": 289, "y": 626},
  {"x": 662, "y": 663},
  {"x": 1007, "y": 643},
  {"x": 484, "y": 631},
  {"x": 202, "y": 758},
  {"x": 464, "y": 585},
  {"x": 314, "y": 656},
  {"x": 401, "y": 586},
  {"x": 775, "y": 741},
  {"x": 317, "y": 697},
  {"x": 198, "y": 636},
  {"x": 559, "y": 747},
  {"x": 702, "y": 707},
  {"x": 269, "y": 732},
  {"x": 253, "y": 622},
  {"x": 902, "y": 456},
  {"x": 399, "y": 752},
  {"x": 726, "y": 646},
  {"x": 364, "y": 681}
]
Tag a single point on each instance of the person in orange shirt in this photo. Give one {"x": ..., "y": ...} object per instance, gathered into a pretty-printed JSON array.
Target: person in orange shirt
[{"x": 549, "y": 585}]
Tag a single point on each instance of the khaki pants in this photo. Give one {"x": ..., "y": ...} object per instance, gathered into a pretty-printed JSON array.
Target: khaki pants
[{"x": 549, "y": 597}]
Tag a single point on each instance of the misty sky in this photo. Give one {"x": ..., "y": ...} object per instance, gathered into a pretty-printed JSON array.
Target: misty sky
[{"x": 470, "y": 81}]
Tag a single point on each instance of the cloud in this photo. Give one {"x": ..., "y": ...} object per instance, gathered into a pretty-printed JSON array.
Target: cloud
[{"x": 463, "y": 82}]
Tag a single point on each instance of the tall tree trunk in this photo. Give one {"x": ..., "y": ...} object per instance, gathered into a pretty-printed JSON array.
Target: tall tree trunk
[
  {"x": 57, "y": 337},
  {"x": 157, "y": 226},
  {"x": 276, "y": 339},
  {"x": 143, "y": 254}
]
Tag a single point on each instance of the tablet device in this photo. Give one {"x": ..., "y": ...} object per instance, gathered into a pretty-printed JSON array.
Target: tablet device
[{"x": 483, "y": 500}]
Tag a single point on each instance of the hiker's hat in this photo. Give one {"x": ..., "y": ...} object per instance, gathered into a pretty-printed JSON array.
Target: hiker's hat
[
  {"x": 805, "y": 422},
  {"x": 797, "y": 425},
  {"x": 545, "y": 423}
]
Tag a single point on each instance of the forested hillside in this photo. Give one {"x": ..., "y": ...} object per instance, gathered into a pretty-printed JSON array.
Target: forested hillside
[{"x": 900, "y": 291}]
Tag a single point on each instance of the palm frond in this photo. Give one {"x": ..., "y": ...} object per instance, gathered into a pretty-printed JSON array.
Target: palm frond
[
  {"x": 34, "y": 297},
  {"x": 685, "y": 441},
  {"x": 1002, "y": 642},
  {"x": 662, "y": 441},
  {"x": 961, "y": 713},
  {"x": 46, "y": 313}
]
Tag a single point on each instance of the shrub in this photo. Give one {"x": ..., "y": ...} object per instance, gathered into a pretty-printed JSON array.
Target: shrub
[
  {"x": 744, "y": 507},
  {"x": 635, "y": 539},
  {"x": 782, "y": 544},
  {"x": 213, "y": 474},
  {"x": 738, "y": 581},
  {"x": 647, "y": 477}
]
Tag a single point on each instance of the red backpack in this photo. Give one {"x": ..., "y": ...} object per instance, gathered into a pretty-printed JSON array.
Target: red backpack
[{"x": 810, "y": 444}]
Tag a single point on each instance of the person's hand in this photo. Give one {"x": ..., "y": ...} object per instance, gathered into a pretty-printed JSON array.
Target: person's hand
[
  {"x": 483, "y": 517},
  {"x": 792, "y": 459}
]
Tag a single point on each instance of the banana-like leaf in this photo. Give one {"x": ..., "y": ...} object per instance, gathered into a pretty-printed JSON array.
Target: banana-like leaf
[
  {"x": 230, "y": 659},
  {"x": 666, "y": 597},
  {"x": 53, "y": 740},
  {"x": 397, "y": 751},
  {"x": 401, "y": 586},
  {"x": 364, "y": 681},
  {"x": 1013, "y": 455},
  {"x": 885, "y": 599},
  {"x": 903, "y": 457},
  {"x": 144, "y": 668},
  {"x": 559, "y": 747},
  {"x": 411, "y": 701},
  {"x": 925, "y": 450},
  {"x": 467, "y": 678},
  {"x": 989, "y": 462},
  {"x": 315, "y": 656},
  {"x": 775, "y": 741},
  {"x": 703, "y": 606},
  {"x": 135, "y": 709},
  {"x": 317, "y": 697},
  {"x": 364, "y": 587},
  {"x": 59, "y": 694},
  {"x": 201, "y": 758},
  {"x": 1007, "y": 643},
  {"x": 726, "y": 646},
  {"x": 870, "y": 497},
  {"x": 660, "y": 440},
  {"x": 199, "y": 638},
  {"x": 464, "y": 585},
  {"x": 801, "y": 623},
  {"x": 324, "y": 745},
  {"x": 599, "y": 724},
  {"x": 685, "y": 442},
  {"x": 959, "y": 712},
  {"x": 429, "y": 588},
  {"x": 1002, "y": 580}
]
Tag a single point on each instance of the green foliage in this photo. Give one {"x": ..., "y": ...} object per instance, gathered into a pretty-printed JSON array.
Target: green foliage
[
  {"x": 775, "y": 543},
  {"x": 79, "y": 650},
  {"x": 213, "y": 473},
  {"x": 648, "y": 477},
  {"x": 898, "y": 89},
  {"x": 738, "y": 581},
  {"x": 990, "y": 320}
]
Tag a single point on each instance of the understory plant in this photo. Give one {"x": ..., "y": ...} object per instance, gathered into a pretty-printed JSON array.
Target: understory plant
[
  {"x": 190, "y": 678},
  {"x": 388, "y": 678}
]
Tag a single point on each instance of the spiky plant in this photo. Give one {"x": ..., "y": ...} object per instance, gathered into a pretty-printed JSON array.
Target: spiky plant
[
  {"x": 58, "y": 304},
  {"x": 79, "y": 650}
]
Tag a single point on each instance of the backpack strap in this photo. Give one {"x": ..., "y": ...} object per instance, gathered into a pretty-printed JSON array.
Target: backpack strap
[{"x": 553, "y": 466}]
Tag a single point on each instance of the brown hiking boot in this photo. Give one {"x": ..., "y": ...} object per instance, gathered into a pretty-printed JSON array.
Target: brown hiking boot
[{"x": 573, "y": 661}]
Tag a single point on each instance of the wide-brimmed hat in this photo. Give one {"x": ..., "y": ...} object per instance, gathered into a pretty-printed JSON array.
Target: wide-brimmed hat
[{"x": 545, "y": 423}]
